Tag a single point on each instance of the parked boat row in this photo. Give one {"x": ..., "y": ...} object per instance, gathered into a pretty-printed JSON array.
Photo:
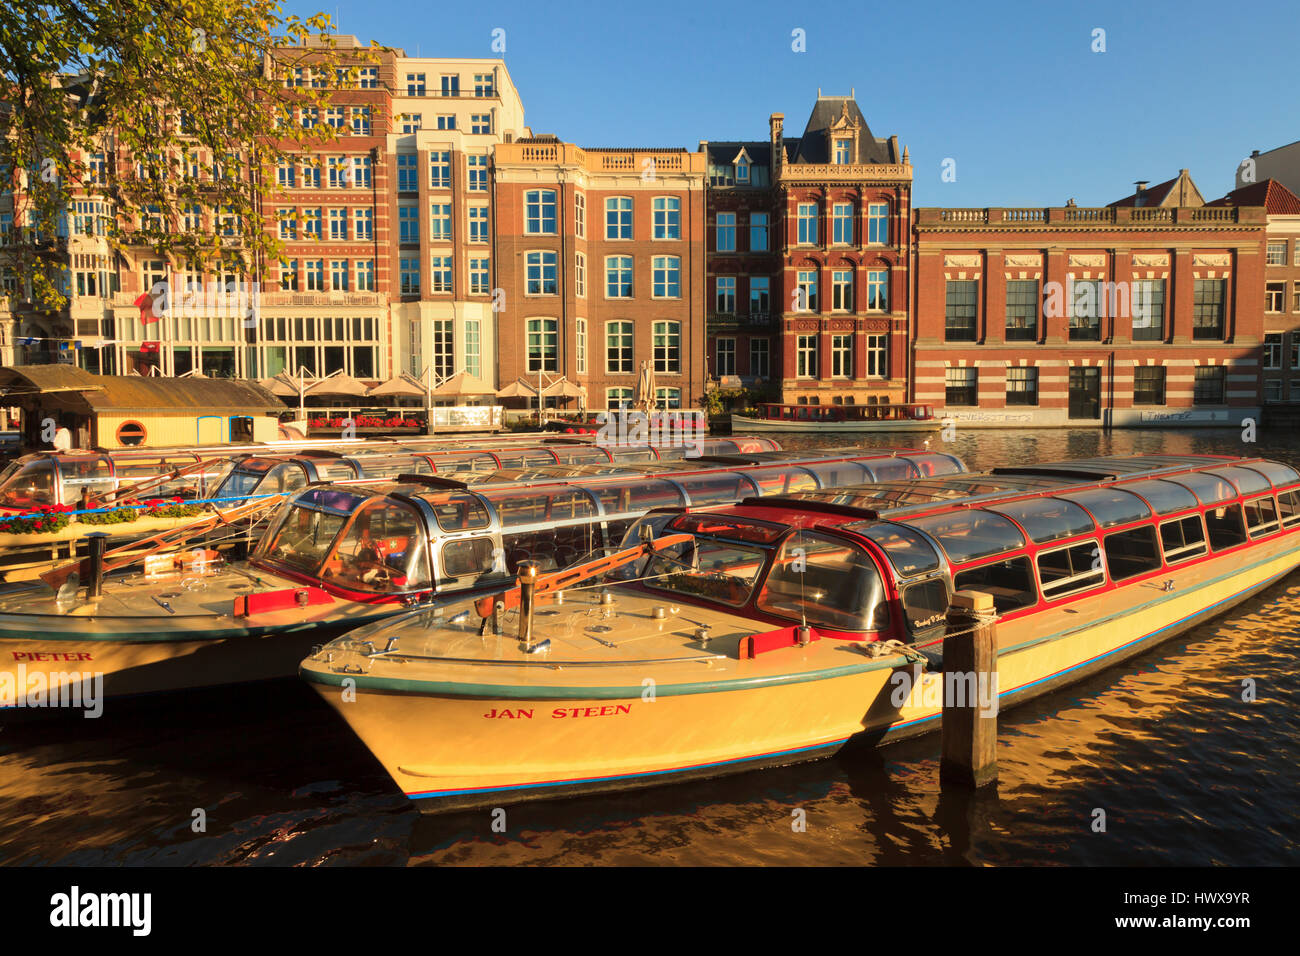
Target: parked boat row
[
  {"x": 771, "y": 417},
  {"x": 340, "y": 556},
  {"x": 778, "y": 629}
]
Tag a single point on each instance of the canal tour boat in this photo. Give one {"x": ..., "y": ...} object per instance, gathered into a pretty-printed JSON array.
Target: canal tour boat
[
  {"x": 777, "y": 630},
  {"x": 337, "y": 557},
  {"x": 772, "y": 417}
]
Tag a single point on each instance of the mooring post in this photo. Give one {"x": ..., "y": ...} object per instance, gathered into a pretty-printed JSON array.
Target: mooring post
[
  {"x": 970, "y": 692},
  {"x": 527, "y": 589},
  {"x": 95, "y": 545}
]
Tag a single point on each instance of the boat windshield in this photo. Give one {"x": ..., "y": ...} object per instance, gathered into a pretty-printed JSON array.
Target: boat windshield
[
  {"x": 28, "y": 484},
  {"x": 827, "y": 582},
  {"x": 263, "y": 478},
  {"x": 380, "y": 550},
  {"x": 706, "y": 567},
  {"x": 307, "y": 527}
]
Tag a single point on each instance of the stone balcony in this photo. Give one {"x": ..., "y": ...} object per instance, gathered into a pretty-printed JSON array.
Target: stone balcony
[{"x": 1088, "y": 216}]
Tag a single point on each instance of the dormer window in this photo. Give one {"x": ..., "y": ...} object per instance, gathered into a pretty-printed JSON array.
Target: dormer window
[
  {"x": 843, "y": 150},
  {"x": 742, "y": 170}
]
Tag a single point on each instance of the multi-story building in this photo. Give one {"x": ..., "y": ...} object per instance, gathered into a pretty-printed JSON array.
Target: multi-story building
[
  {"x": 1281, "y": 164},
  {"x": 1280, "y": 356},
  {"x": 1145, "y": 311},
  {"x": 387, "y": 233},
  {"x": 808, "y": 258},
  {"x": 600, "y": 264}
]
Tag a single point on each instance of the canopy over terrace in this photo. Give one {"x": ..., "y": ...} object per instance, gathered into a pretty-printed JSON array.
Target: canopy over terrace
[{"x": 118, "y": 411}]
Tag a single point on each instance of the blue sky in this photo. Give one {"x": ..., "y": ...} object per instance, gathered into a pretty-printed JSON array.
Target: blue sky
[{"x": 1012, "y": 92}]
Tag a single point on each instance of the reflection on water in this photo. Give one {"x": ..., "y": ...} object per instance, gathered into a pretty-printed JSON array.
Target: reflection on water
[{"x": 1185, "y": 771}]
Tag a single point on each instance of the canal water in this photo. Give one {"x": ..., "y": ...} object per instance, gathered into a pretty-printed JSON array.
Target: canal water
[{"x": 1163, "y": 749}]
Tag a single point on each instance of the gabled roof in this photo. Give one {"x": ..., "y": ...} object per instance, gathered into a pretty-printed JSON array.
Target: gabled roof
[
  {"x": 838, "y": 112},
  {"x": 1179, "y": 191},
  {"x": 725, "y": 153},
  {"x": 140, "y": 393},
  {"x": 1271, "y": 194}
]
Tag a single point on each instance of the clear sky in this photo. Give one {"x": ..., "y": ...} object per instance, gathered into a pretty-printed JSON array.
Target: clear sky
[{"x": 1012, "y": 92}]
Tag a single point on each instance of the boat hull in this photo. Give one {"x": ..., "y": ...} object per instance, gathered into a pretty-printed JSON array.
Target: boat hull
[
  {"x": 744, "y": 423},
  {"x": 482, "y": 741}
]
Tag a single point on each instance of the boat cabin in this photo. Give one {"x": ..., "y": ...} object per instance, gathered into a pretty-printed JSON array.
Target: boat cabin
[
  {"x": 814, "y": 414},
  {"x": 881, "y": 561},
  {"x": 397, "y": 538},
  {"x": 61, "y": 478}
]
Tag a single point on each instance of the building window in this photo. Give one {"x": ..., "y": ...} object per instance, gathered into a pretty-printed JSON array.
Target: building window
[
  {"x": 580, "y": 333},
  {"x": 415, "y": 84},
  {"x": 760, "y": 302},
  {"x": 1149, "y": 385},
  {"x": 284, "y": 175},
  {"x": 541, "y": 268},
  {"x": 878, "y": 224},
  {"x": 478, "y": 223},
  {"x": 361, "y": 172},
  {"x": 806, "y": 356},
  {"x": 580, "y": 275},
  {"x": 667, "y": 216},
  {"x": 1209, "y": 388},
  {"x": 842, "y": 356},
  {"x": 618, "y": 277},
  {"x": 451, "y": 84},
  {"x": 1022, "y": 311},
  {"x": 1207, "y": 308},
  {"x": 480, "y": 123},
  {"x": 618, "y": 347},
  {"x": 361, "y": 121},
  {"x": 842, "y": 291},
  {"x": 1295, "y": 350},
  {"x": 1086, "y": 306},
  {"x": 1148, "y": 306},
  {"x": 1273, "y": 390},
  {"x": 445, "y": 121},
  {"x": 725, "y": 232},
  {"x": 339, "y": 275},
  {"x": 478, "y": 276},
  {"x": 667, "y": 277},
  {"x": 440, "y": 170},
  {"x": 473, "y": 348},
  {"x": 444, "y": 349},
  {"x": 1295, "y": 294},
  {"x": 1273, "y": 350},
  {"x": 842, "y": 224},
  {"x": 410, "y": 123},
  {"x": 539, "y": 212},
  {"x": 758, "y": 358},
  {"x": 618, "y": 218},
  {"x": 806, "y": 291},
  {"x": 807, "y": 218},
  {"x": 440, "y": 274},
  {"x": 311, "y": 223},
  {"x": 288, "y": 221},
  {"x": 877, "y": 356},
  {"x": 478, "y": 173},
  {"x": 484, "y": 84},
  {"x": 543, "y": 345},
  {"x": 616, "y": 398},
  {"x": 758, "y": 232},
  {"x": 408, "y": 224},
  {"x": 668, "y": 347},
  {"x": 365, "y": 275},
  {"x": 580, "y": 215},
  {"x": 1022, "y": 386},
  {"x": 961, "y": 386},
  {"x": 959, "y": 310},
  {"x": 363, "y": 222},
  {"x": 725, "y": 303},
  {"x": 368, "y": 78},
  {"x": 288, "y": 276},
  {"x": 410, "y": 276},
  {"x": 1274, "y": 296},
  {"x": 668, "y": 397},
  {"x": 406, "y": 173},
  {"x": 310, "y": 175},
  {"x": 725, "y": 356},
  {"x": 878, "y": 290},
  {"x": 315, "y": 275},
  {"x": 742, "y": 170},
  {"x": 1276, "y": 255}
]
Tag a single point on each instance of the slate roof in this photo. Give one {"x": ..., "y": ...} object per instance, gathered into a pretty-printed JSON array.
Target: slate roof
[
  {"x": 1271, "y": 194},
  {"x": 724, "y": 153},
  {"x": 814, "y": 146}
]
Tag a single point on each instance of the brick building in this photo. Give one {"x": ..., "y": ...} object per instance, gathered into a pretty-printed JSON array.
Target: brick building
[
  {"x": 1280, "y": 356},
  {"x": 808, "y": 253},
  {"x": 1146, "y": 311},
  {"x": 600, "y": 260}
]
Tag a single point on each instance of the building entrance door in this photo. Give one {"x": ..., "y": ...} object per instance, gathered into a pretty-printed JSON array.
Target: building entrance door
[{"x": 1085, "y": 393}]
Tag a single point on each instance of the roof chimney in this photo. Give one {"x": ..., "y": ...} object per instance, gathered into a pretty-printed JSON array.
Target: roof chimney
[{"x": 1141, "y": 185}]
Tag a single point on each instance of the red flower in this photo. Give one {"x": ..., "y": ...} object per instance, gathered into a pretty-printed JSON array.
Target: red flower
[{"x": 38, "y": 525}]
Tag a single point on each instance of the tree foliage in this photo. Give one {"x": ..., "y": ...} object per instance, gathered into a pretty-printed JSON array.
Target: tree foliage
[{"x": 181, "y": 100}]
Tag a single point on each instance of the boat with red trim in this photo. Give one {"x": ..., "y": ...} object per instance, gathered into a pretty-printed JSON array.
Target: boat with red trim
[
  {"x": 882, "y": 417},
  {"x": 779, "y": 629},
  {"x": 337, "y": 556}
]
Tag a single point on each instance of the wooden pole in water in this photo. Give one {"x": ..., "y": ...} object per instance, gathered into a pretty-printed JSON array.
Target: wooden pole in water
[{"x": 970, "y": 712}]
